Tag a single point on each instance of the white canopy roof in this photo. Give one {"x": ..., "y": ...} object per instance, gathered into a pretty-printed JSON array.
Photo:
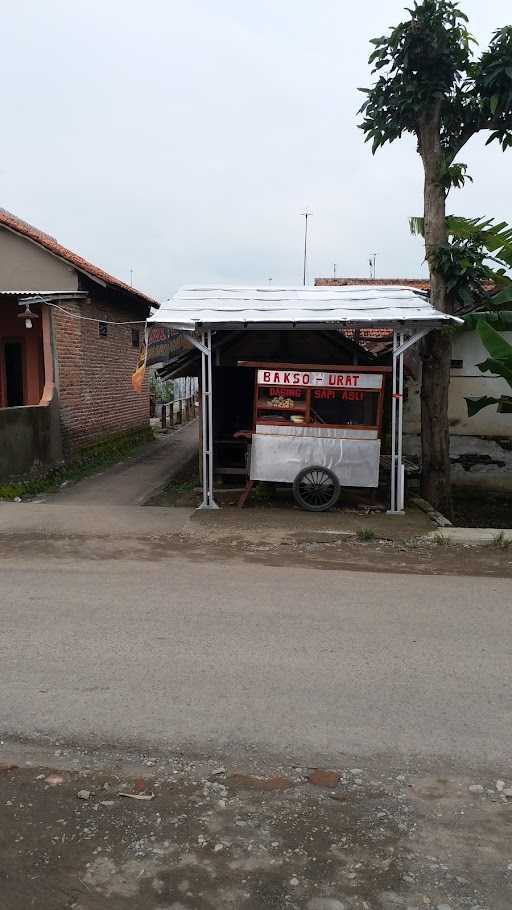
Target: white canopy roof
[{"x": 315, "y": 307}]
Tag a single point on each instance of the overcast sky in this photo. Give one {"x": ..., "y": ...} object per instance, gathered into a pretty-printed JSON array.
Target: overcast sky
[{"x": 183, "y": 139}]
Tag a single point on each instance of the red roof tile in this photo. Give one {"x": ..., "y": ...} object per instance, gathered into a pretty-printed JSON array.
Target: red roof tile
[
  {"x": 423, "y": 284},
  {"x": 8, "y": 220}
]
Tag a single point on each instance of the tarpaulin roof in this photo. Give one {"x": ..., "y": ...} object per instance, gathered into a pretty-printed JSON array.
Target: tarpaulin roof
[{"x": 315, "y": 307}]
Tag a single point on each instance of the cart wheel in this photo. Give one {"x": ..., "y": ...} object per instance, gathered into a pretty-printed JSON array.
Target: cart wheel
[{"x": 316, "y": 489}]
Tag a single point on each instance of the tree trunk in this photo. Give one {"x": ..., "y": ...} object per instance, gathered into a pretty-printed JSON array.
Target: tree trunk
[
  {"x": 435, "y": 437},
  {"x": 435, "y": 440}
]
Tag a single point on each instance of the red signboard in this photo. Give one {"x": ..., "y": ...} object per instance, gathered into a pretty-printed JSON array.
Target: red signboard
[{"x": 314, "y": 378}]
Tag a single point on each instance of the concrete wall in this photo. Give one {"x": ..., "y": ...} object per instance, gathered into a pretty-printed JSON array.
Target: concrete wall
[
  {"x": 24, "y": 266},
  {"x": 480, "y": 446},
  {"x": 30, "y": 439}
]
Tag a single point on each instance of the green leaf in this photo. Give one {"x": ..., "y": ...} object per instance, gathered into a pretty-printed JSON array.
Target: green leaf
[
  {"x": 417, "y": 226},
  {"x": 505, "y": 405},
  {"x": 497, "y": 346},
  {"x": 501, "y": 321},
  {"x": 503, "y": 297},
  {"x": 493, "y": 103},
  {"x": 474, "y": 405},
  {"x": 497, "y": 367}
]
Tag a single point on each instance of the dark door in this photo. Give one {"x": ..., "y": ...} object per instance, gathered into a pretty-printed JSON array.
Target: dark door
[{"x": 13, "y": 357}]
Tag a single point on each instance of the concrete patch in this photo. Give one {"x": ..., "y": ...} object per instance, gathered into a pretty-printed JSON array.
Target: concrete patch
[{"x": 472, "y": 536}]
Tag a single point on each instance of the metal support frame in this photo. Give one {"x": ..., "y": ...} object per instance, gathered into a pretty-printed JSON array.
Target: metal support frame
[
  {"x": 205, "y": 346},
  {"x": 397, "y": 415},
  {"x": 400, "y": 345},
  {"x": 413, "y": 339}
]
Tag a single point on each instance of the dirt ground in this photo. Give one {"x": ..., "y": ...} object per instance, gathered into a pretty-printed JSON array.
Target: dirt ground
[
  {"x": 184, "y": 491},
  {"x": 322, "y": 550},
  {"x": 482, "y": 509},
  {"x": 194, "y": 834}
]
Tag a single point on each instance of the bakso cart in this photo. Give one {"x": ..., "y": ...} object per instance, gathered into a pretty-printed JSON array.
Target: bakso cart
[{"x": 316, "y": 427}]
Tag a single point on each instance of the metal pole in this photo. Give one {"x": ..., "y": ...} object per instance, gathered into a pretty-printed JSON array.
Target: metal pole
[
  {"x": 211, "y": 502},
  {"x": 392, "y": 507},
  {"x": 306, "y": 216},
  {"x": 207, "y": 404},
  {"x": 399, "y": 466},
  {"x": 204, "y": 405}
]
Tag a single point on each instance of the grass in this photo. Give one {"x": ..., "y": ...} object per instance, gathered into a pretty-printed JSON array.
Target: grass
[
  {"x": 365, "y": 534},
  {"x": 87, "y": 461},
  {"x": 441, "y": 539},
  {"x": 261, "y": 493},
  {"x": 502, "y": 540}
]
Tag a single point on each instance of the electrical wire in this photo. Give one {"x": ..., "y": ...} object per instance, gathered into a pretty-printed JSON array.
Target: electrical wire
[{"x": 77, "y": 316}]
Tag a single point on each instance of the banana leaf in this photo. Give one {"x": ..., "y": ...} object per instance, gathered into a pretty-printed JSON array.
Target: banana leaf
[
  {"x": 497, "y": 346},
  {"x": 501, "y": 321},
  {"x": 499, "y": 363},
  {"x": 474, "y": 405}
]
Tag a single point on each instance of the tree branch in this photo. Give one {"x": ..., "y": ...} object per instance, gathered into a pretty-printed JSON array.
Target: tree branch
[
  {"x": 491, "y": 123},
  {"x": 464, "y": 137}
]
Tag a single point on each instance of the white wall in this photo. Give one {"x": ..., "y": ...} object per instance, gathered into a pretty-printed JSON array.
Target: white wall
[{"x": 480, "y": 446}]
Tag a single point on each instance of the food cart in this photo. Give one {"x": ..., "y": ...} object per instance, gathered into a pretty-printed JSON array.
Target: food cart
[
  {"x": 317, "y": 427},
  {"x": 282, "y": 447}
]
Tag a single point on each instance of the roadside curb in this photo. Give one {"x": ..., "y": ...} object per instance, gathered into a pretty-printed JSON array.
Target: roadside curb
[{"x": 440, "y": 520}]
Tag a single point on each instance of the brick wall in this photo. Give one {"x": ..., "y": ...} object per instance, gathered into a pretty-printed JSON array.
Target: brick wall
[{"x": 94, "y": 373}]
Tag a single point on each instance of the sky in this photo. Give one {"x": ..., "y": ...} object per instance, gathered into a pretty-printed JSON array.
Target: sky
[{"x": 182, "y": 140}]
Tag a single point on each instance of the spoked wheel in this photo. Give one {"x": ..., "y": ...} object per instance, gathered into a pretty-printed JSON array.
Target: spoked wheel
[{"x": 316, "y": 489}]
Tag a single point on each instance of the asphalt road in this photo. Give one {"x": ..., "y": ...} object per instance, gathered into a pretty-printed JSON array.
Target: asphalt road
[{"x": 231, "y": 655}]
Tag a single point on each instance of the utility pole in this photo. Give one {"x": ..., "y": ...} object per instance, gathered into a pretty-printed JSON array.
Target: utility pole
[
  {"x": 334, "y": 276},
  {"x": 131, "y": 277},
  {"x": 306, "y": 215},
  {"x": 372, "y": 260}
]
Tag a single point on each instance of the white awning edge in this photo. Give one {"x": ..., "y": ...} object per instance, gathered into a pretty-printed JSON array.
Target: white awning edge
[{"x": 304, "y": 307}]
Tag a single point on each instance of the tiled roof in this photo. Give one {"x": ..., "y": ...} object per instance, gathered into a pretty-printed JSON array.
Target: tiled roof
[
  {"x": 422, "y": 284},
  {"x": 8, "y": 220}
]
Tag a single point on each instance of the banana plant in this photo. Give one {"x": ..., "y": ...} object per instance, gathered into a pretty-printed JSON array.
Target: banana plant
[
  {"x": 499, "y": 363},
  {"x": 479, "y": 253}
]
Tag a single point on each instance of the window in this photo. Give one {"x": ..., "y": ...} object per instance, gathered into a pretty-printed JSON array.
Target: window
[
  {"x": 102, "y": 329},
  {"x": 349, "y": 407},
  {"x": 135, "y": 338}
]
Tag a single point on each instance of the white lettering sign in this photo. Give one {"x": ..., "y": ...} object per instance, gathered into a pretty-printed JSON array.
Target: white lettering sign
[{"x": 312, "y": 378}]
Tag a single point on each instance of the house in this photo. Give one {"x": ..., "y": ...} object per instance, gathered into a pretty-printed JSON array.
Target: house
[
  {"x": 480, "y": 446},
  {"x": 69, "y": 340}
]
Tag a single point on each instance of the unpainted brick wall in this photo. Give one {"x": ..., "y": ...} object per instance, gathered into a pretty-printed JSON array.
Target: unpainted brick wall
[{"x": 94, "y": 373}]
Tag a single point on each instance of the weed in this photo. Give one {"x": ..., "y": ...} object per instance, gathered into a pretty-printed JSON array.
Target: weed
[
  {"x": 502, "y": 540},
  {"x": 262, "y": 493},
  {"x": 365, "y": 534},
  {"x": 413, "y": 543},
  {"x": 441, "y": 539}
]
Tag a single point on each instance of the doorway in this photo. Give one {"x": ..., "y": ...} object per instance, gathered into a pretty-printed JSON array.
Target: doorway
[{"x": 14, "y": 395}]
